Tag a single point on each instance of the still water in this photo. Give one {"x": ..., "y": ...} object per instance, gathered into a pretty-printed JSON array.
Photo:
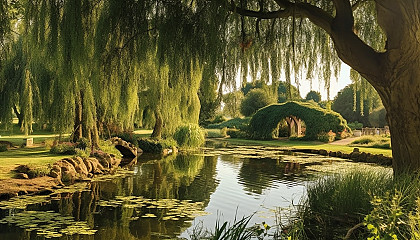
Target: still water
[{"x": 167, "y": 198}]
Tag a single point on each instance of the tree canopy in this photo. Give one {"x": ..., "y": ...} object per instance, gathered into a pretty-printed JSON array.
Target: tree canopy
[{"x": 150, "y": 57}]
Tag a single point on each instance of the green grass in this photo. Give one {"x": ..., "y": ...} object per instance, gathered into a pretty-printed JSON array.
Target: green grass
[
  {"x": 37, "y": 156},
  {"x": 143, "y": 133},
  {"x": 335, "y": 203},
  {"x": 285, "y": 143}
]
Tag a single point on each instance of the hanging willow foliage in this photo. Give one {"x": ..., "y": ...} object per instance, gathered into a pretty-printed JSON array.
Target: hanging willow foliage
[{"x": 123, "y": 62}]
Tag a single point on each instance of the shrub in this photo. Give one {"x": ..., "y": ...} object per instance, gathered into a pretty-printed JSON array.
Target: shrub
[
  {"x": 83, "y": 153},
  {"x": 364, "y": 140},
  {"x": 64, "y": 149},
  {"x": 82, "y": 143},
  {"x": 238, "y": 123},
  {"x": 3, "y": 147},
  {"x": 235, "y": 133},
  {"x": 190, "y": 135},
  {"x": 254, "y": 100},
  {"x": 355, "y": 125},
  {"x": 156, "y": 146},
  {"x": 216, "y": 133},
  {"x": 219, "y": 119},
  {"x": 49, "y": 143},
  {"x": 326, "y": 137}
]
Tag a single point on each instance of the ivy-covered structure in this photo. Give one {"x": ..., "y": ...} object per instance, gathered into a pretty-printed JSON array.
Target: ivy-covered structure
[{"x": 318, "y": 120}]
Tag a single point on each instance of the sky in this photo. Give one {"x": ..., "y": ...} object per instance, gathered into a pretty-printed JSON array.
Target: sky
[
  {"x": 335, "y": 86},
  {"x": 305, "y": 86}
]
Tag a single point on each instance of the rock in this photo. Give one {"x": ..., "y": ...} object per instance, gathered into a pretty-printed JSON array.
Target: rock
[
  {"x": 97, "y": 168},
  {"x": 355, "y": 156},
  {"x": 323, "y": 152},
  {"x": 362, "y": 157},
  {"x": 22, "y": 169},
  {"x": 88, "y": 165},
  {"x": 22, "y": 176},
  {"x": 7, "y": 143},
  {"x": 81, "y": 167}
]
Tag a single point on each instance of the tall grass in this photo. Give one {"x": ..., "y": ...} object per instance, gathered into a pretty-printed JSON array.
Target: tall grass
[
  {"x": 334, "y": 204},
  {"x": 373, "y": 142}
]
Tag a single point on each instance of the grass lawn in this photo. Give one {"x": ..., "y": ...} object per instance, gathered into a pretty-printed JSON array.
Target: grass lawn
[
  {"x": 143, "y": 133},
  {"x": 35, "y": 156},
  {"x": 307, "y": 145}
]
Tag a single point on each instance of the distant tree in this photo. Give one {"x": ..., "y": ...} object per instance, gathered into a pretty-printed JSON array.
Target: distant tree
[
  {"x": 284, "y": 94},
  {"x": 232, "y": 103},
  {"x": 313, "y": 95},
  {"x": 254, "y": 100},
  {"x": 349, "y": 105},
  {"x": 253, "y": 85},
  {"x": 377, "y": 118}
]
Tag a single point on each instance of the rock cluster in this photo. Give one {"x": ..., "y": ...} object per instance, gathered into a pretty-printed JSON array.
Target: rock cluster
[{"x": 356, "y": 156}]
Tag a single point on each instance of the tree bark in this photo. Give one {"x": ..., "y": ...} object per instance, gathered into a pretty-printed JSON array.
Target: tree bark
[
  {"x": 157, "y": 130},
  {"x": 18, "y": 115}
]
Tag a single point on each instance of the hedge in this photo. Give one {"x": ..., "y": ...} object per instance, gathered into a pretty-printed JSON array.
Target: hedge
[{"x": 317, "y": 120}]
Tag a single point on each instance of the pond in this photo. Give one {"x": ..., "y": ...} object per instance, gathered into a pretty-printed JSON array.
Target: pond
[{"x": 171, "y": 197}]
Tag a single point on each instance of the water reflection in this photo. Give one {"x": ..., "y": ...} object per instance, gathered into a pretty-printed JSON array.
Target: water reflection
[{"x": 130, "y": 207}]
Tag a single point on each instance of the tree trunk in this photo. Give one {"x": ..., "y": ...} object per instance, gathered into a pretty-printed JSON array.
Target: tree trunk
[
  {"x": 18, "y": 115},
  {"x": 157, "y": 130},
  {"x": 78, "y": 120},
  {"x": 400, "y": 91}
]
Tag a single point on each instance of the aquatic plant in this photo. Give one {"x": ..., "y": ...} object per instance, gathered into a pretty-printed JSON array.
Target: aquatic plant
[{"x": 48, "y": 224}]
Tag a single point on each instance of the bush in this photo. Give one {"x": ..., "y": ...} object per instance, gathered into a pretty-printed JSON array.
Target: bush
[
  {"x": 83, "y": 153},
  {"x": 216, "y": 133},
  {"x": 364, "y": 140},
  {"x": 238, "y": 123},
  {"x": 355, "y": 125},
  {"x": 235, "y": 133},
  {"x": 3, "y": 148},
  {"x": 316, "y": 119},
  {"x": 254, "y": 100},
  {"x": 82, "y": 143},
  {"x": 155, "y": 146},
  {"x": 373, "y": 142},
  {"x": 63, "y": 149},
  {"x": 190, "y": 135},
  {"x": 326, "y": 137}
]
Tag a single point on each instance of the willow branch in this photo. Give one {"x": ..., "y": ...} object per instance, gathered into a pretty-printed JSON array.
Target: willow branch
[{"x": 301, "y": 10}]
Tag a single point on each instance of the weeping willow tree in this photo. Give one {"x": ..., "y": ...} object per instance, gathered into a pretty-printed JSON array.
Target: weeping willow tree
[
  {"x": 113, "y": 62},
  {"x": 378, "y": 39}
]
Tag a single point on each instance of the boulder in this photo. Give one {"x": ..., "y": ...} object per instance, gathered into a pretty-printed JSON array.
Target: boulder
[{"x": 323, "y": 152}]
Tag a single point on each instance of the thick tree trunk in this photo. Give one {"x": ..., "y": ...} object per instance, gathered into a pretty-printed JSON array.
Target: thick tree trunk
[
  {"x": 400, "y": 91},
  {"x": 157, "y": 130}
]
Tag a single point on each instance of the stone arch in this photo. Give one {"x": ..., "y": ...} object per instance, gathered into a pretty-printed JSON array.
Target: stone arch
[{"x": 317, "y": 120}]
